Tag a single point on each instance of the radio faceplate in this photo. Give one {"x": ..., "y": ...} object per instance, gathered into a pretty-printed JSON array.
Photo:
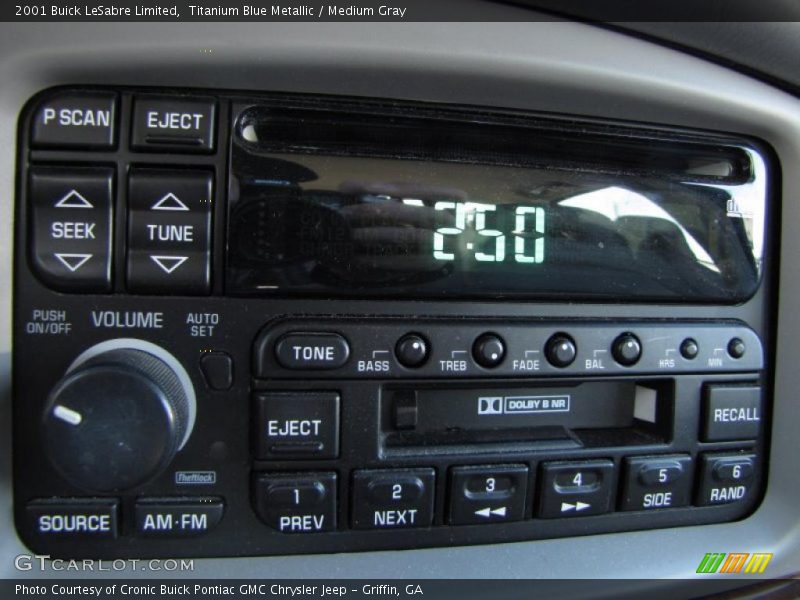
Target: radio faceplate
[{"x": 292, "y": 423}]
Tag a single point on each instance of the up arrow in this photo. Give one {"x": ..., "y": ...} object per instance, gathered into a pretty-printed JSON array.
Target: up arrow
[
  {"x": 169, "y": 263},
  {"x": 169, "y": 202},
  {"x": 73, "y": 261},
  {"x": 73, "y": 200}
]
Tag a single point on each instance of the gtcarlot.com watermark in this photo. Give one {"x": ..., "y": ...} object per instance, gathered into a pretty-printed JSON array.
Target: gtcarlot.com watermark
[{"x": 43, "y": 562}]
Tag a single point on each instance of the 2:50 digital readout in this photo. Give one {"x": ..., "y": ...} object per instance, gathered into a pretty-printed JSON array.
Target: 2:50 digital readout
[{"x": 527, "y": 232}]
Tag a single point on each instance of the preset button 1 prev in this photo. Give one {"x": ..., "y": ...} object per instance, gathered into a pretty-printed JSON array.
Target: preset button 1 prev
[
  {"x": 297, "y": 425},
  {"x": 297, "y": 502}
]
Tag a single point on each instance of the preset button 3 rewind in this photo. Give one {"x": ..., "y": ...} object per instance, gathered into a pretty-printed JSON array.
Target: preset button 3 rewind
[
  {"x": 487, "y": 494},
  {"x": 169, "y": 231}
]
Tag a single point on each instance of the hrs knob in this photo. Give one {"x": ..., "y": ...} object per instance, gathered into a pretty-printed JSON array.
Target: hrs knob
[{"x": 118, "y": 416}]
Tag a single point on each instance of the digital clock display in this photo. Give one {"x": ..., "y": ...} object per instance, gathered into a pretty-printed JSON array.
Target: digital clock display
[{"x": 423, "y": 217}]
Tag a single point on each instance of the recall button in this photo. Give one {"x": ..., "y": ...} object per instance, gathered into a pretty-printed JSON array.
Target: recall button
[
  {"x": 71, "y": 119},
  {"x": 177, "y": 517},
  {"x": 297, "y": 425},
  {"x": 87, "y": 518},
  {"x": 732, "y": 412},
  {"x": 173, "y": 123},
  {"x": 309, "y": 351}
]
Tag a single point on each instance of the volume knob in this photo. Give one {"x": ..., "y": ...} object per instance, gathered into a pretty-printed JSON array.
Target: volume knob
[{"x": 118, "y": 417}]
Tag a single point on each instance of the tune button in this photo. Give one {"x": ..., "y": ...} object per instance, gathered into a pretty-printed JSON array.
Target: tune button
[
  {"x": 560, "y": 350},
  {"x": 627, "y": 349},
  {"x": 489, "y": 350},
  {"x": 411, "y": 350}
]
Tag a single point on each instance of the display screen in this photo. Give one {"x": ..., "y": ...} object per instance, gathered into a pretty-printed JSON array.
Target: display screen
[{"x": 323, "y": 203}]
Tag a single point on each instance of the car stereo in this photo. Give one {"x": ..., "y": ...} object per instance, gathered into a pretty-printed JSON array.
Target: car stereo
[{"x": 258, "y": 324}]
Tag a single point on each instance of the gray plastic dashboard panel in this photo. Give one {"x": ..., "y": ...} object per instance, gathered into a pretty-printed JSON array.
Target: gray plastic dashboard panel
[{"x": 559, "y": 67}]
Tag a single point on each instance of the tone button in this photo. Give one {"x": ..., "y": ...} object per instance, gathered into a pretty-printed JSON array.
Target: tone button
[{"x": 308, "y": 351}]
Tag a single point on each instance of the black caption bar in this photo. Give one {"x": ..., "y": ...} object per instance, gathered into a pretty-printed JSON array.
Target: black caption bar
[
  {"x": 399, "y": 10},
  {"x": 232, "y": 589}
]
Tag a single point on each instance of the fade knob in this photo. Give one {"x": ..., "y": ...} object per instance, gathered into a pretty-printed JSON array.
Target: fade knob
[{"x": 117, "y": 418}]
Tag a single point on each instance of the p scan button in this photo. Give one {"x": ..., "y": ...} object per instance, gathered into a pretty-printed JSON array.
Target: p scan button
[{"x": 71, "y": 119}]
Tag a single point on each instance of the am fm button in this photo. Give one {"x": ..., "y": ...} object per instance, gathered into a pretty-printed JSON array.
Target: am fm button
[{"x": 177, "y": 517}]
